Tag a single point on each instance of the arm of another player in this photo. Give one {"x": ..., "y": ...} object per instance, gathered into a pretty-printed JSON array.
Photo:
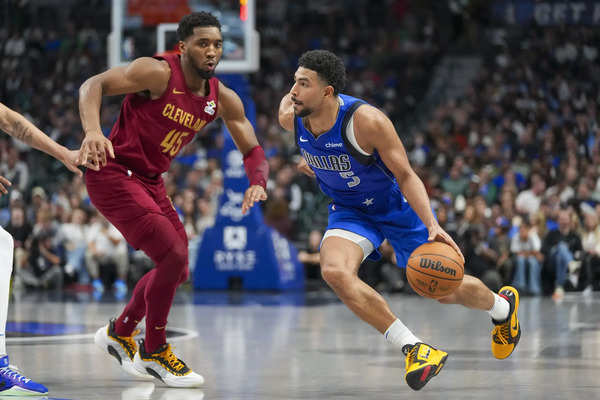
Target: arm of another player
[
  {"x": 20, "y": 128},
  {"x": 142, "y": 74},
  {"x": 286, "y": 120},
  {"x": 375, "y": 131},
  {"x": 231, "y": 110}
]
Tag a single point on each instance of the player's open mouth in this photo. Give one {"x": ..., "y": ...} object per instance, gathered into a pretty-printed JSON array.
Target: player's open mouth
[{"x": 210, "y": 65}]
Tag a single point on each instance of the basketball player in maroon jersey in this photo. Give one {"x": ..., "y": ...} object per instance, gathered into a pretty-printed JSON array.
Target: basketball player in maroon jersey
[{"x": 169, "y": 99}]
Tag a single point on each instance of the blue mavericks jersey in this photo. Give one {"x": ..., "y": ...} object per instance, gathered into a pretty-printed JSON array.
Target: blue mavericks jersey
[{"x": 349, "y": 177}]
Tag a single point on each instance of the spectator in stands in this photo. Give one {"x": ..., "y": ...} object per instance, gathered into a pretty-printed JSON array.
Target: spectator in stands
[
  {"x": 455, "y": 183},
  {"x": 44, "y": 262},
  {"x": 590, "y": 240},
  {"x": 106, "y": 246},
  {"x": 561, "y": 247},
  {"x": 311, "y": 259},
  {"x": 74, "y": 240},
  {"x": 525, "y": 248},
  {"x": 528, "y": 201},
  {"x": 20, "y": 230}
]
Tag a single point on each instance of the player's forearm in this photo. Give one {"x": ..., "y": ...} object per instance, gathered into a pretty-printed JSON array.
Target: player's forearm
[
  {"x": 256, "y": 166},
  {"x": 414, "y": 191},
  {"x": 20, "y": 128},
  {"x": 90, "y": 100}
]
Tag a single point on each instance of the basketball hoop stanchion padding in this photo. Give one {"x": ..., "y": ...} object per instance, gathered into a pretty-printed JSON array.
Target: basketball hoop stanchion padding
[{"x": 240, "y": 246}]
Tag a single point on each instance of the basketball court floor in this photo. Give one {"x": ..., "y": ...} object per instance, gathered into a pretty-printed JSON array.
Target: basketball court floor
[{"x": 309, "y": 346}]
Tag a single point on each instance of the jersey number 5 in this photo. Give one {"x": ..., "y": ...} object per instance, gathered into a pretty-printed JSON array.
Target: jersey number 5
[
  {"x": 172, "y": 142},
  {"x": 350, "y": 175}
]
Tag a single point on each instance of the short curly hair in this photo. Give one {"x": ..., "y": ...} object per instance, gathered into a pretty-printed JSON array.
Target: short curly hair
[
  {"x": 327, "y": 65},
  {"x": 190, "y": 21}
]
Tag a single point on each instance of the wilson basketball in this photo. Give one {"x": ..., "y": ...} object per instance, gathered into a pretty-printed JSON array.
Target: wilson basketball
[{"x": 434, "y": 270}]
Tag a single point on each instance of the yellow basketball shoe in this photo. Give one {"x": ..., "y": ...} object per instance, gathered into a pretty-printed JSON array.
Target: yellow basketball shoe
[
  {"x": 423, "y": 362},
  {"x": 506, "y": 334}
]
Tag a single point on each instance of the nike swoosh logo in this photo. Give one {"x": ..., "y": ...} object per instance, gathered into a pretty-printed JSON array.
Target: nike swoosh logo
[
  {"x": 303, "y": 140},
  {"x": 175, "y": 91},
  {"x": 516, "y": 327}
]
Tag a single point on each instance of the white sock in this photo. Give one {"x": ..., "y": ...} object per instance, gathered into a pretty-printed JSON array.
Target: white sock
[
  {"x": 6, "y": 265},
  {"x": 399, "y": 335},
  {"x": 500, "y": 309}
]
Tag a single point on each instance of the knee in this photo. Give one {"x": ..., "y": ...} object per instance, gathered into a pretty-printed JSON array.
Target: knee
[
  {"x": 177, "y": 258},
  {"x": 335, "y": 274}
]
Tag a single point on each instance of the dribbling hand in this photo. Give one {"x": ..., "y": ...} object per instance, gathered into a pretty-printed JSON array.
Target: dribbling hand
[
  {"x": 253, "y": 194},
  {"x": 93, "y": 151},
  {"x": 437, "y": 234}
]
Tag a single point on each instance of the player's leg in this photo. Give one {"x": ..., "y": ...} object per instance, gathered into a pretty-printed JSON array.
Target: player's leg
[
  {"x": 405, "y": 231},
  {"x": 6, "y": 266},
  {"x": 124, "y": 201},
  {"x": 502, "y": 307},
  {"x": 167, "y": 247},
  {"x": 472, "y": 293},
  {"x": 341, "y": 255},
  {"x": 12, "y": 382}
]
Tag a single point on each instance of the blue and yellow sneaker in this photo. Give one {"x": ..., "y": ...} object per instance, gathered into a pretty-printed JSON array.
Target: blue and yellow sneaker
[
  {"x": 423, "y": 362},
  {"x": 506, "y": 334},
  {"x": 13, "y": 383}
]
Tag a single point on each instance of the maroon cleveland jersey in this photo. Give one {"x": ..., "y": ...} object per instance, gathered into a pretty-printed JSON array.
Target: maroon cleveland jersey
[{"x": 149, "y": 133}]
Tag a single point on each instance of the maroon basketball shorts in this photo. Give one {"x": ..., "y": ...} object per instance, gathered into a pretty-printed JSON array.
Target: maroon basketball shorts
[{"x": 137, "y": 206}]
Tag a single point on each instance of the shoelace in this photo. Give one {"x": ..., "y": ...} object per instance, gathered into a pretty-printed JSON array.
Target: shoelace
[
  {"x": 13, "y": 374},
  {"x": 501, "y": 333},
  {"x": 130, "y": 339},
  {"x": 412, "y": 354},
  {"x": 173, "y": 361}
]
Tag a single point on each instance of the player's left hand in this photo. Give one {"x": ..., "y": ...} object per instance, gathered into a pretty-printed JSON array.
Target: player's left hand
[
  {"x": 253, "y": 194},
  {"x": 437, "y": 234}
]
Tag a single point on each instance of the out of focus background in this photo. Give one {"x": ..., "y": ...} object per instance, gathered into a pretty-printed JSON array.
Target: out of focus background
[{"x": 496, "y": 103}]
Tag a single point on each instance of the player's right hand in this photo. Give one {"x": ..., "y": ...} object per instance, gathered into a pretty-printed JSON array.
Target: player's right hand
[
  {"x": 3, "y": 183},
  {"x": 93, "y": 150},
  {"x": 303, "y": 167}
]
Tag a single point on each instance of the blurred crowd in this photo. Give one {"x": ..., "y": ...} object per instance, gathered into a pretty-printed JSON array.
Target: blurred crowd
[{"x": 511, "y": 167}]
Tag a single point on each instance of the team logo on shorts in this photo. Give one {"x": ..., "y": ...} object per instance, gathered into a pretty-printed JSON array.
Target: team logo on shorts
[{"x": 210, "y": 107}]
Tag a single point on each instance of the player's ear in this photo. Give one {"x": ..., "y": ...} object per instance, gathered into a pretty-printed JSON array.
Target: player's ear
[
  {"x": 181, "y": 46},
  {"x": 329, "y": 91}
]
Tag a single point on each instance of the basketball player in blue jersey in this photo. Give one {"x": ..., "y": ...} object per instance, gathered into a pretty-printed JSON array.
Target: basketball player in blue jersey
[{"x": 359, "y": 161}]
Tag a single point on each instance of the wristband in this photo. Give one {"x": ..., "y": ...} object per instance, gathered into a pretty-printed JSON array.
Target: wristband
[{"x": 257, "y": 167}]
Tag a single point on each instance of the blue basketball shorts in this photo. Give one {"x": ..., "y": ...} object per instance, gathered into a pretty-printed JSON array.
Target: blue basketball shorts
[{"x": 398, "y": 223}]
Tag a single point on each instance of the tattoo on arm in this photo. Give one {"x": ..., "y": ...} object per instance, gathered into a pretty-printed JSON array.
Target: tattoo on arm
[{"x": 22, "y": 130}]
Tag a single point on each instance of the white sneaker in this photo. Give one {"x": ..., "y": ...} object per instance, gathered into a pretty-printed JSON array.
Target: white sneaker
[
  {"x": 122, "y": 348},
  {"x": 166, "y": 366}
]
